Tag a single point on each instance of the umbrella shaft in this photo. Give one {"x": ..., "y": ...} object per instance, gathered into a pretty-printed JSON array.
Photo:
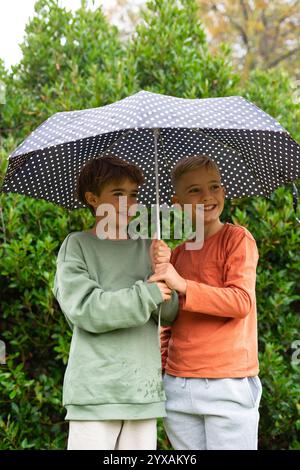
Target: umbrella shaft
[{"x": 156, "y": 134}]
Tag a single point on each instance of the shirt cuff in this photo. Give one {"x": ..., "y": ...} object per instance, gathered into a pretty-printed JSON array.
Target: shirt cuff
[
  {"x": 187, "y": 301},
  {"x": 154, "y": 291}
]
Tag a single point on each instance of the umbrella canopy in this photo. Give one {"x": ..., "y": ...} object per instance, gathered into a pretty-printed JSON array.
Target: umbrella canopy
[{"x": 254, "y": 152}]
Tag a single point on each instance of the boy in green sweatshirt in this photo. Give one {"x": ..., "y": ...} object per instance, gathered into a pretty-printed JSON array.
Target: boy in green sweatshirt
[{"x": 112, "y": 387}]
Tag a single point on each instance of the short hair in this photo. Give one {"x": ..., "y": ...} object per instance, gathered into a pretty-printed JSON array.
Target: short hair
[
  {"x": 100, "y": 171},
  {"x": 192, "y": 163}
]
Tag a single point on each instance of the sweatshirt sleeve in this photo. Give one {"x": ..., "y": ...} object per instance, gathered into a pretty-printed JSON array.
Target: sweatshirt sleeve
[
  {"x": 86, "y": 305},
  {"x": 235, "y": 299},
  {"x": 169, "y": 310},
  {"x": 165, "y": 335}
]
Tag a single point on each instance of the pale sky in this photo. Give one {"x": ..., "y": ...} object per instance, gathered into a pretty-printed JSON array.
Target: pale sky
[{"x": 14, "y": 15}]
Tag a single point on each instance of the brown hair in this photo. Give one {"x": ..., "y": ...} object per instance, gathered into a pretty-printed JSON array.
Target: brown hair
[
  {"x": 100, "y": 171},
  {"x": 192, "y": 163}
]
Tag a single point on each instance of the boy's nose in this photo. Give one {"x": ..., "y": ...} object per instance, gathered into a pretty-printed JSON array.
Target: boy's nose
[
  {"x": 206, "y": 200},
  {"x": 205, "y": 196}
]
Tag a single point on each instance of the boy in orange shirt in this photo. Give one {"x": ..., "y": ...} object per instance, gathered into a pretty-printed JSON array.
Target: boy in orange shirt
[{"x": 210, "y": 354}]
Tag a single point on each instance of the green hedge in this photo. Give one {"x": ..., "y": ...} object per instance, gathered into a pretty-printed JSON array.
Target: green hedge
[{"x": 168, "y": 54}]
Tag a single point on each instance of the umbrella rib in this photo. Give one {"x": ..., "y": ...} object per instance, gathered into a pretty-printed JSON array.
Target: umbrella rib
[
  {"x": 229, "y": 147},
  {"x": 124, "y": 134}
]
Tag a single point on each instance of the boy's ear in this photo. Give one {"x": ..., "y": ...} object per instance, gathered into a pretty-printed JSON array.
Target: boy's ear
[{"x": 175, "y": 199}]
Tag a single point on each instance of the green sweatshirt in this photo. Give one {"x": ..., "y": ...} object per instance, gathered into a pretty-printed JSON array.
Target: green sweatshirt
[{"x": 114, "y": 367}]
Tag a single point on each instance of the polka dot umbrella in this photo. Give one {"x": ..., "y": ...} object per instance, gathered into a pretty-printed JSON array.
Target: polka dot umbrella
[{"x": 254, "y": 152}]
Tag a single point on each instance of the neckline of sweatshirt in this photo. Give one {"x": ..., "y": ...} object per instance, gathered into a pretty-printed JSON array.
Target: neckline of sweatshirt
[
  {"x": 131, "y": 240},
  {"x": 108, "y": 240}
]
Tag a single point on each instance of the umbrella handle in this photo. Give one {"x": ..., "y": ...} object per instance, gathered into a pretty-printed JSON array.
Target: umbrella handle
[
  {"x": 159, "y": 318},
  {"x": 159, "y": 324}
]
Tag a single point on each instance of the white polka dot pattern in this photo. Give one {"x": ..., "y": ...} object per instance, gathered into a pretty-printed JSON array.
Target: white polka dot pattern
[{"x": 254, "y": 153}]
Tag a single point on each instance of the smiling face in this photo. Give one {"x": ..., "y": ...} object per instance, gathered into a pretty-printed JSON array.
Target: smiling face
[
  {"x": 202, "y": 186},
  {"x": 110, "y": 194}
]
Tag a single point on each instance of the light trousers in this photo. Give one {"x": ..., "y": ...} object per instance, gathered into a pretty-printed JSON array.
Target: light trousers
[
  {"x": 212, "y": 414},
  {"x": 113, "y": 435}
]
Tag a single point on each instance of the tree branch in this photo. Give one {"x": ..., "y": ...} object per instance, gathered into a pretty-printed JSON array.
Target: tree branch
[
  {"x": 284, "y": 56},
  {"x": 244, "y": 9},
  {"x": 240, "y": 29}
]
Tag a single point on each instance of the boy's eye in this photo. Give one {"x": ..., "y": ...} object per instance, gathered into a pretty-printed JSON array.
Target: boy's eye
[
  {"x": 196, "y": 190},
  {"x": 121, "y": 194}
]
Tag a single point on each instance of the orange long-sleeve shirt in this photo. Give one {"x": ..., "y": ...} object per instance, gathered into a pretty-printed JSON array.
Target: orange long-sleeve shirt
[{"x": 215, "y": 333}]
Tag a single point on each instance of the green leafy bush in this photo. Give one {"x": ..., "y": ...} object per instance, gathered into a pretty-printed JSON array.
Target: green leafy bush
[{"x": 76, "y": 60}]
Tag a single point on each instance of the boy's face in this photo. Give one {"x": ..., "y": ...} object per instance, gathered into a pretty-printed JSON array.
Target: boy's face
[
  {"x": 201, "y": 186},
  {"x": 111, "y": 193}
]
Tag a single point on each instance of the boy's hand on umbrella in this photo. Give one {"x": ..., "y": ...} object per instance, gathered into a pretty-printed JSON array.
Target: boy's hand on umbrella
[
  {"x": 165, "y": 290},
  {"x": 167, "y": 273},
  {"x": 159, "y": 253}
]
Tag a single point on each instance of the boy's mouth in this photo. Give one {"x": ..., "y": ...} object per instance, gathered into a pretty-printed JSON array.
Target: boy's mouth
[{"x": 210, "y": 207}]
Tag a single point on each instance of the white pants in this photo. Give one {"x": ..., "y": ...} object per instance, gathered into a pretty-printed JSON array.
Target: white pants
[
  {"x": 212, "y": 414},
  {"x": 113, "y": 435}
]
